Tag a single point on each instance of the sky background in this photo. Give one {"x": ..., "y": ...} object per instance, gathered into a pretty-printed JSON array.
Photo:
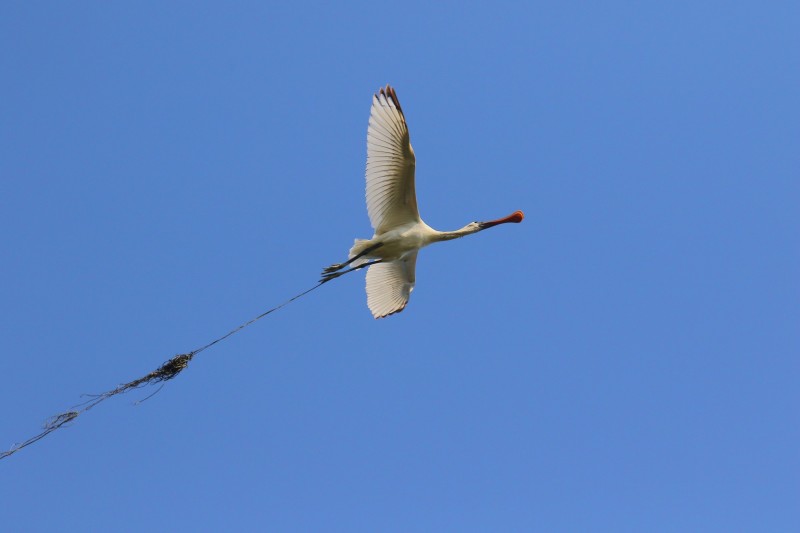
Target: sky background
[{"x": 624, "y": 360}]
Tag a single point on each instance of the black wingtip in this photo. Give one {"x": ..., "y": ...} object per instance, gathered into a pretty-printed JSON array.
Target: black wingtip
[{"x": 391, "y": 94}]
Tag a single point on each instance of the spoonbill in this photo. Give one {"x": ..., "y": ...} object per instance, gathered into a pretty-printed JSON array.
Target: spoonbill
[{"x": 391, "y": 253}]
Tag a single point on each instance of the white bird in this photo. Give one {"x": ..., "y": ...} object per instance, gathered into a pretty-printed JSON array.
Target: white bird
[{"x": 391, "y": 253}]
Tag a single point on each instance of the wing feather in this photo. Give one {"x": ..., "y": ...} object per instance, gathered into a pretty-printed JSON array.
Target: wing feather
[
  {"x": 389, "y": 285},
  {"x": 391, "y": 196}
]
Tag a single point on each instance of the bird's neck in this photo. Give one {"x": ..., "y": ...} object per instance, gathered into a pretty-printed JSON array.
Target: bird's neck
[{"x": 457, "y": 234}]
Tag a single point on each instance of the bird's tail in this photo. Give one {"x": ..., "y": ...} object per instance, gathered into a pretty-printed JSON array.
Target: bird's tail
[{"x": 359, "y": 246}]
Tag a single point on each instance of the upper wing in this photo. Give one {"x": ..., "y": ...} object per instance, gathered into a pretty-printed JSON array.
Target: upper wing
[
  {"x": 389, "y": 285},
  {"x": 391, "y": 198}
]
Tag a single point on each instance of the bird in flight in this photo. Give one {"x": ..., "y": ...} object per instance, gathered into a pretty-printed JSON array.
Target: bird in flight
[{"x": 391, "y": 254}]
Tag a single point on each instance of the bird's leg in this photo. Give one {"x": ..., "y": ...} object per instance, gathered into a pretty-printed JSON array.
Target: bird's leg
[
  {"x": 339, "y": 266},
  {"x": 333, "y": 275}
]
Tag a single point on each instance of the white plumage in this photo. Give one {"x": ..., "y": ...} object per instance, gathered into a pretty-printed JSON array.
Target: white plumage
[
  {"x": 400, "y": 233},
  {"x": 391, "y": 198},
  {"x": 389, "y": 285}
]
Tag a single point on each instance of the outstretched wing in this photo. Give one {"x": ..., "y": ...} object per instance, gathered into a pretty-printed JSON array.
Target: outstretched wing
[
  {"x": 389, "y": 285},
  {"x": 391, "y": 198}
]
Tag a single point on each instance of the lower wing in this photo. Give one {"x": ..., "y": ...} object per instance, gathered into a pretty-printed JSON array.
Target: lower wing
[{"x": 389, "y": 285}]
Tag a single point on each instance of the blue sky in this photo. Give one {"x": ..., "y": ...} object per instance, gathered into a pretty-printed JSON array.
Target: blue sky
[{"x": 624, "y": 360}]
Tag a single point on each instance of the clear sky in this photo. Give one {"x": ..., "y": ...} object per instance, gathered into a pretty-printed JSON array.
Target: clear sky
[{"x": 626, "y": 359}]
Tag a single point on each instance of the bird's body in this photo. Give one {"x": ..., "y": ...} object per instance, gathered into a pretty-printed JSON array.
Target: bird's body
[
  {"x": 395, "y": 243},
  {"x": 391, "y": 254}
]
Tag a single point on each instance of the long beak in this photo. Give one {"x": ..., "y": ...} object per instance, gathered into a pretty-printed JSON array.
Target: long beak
[{"x": 515, "y": 217}]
